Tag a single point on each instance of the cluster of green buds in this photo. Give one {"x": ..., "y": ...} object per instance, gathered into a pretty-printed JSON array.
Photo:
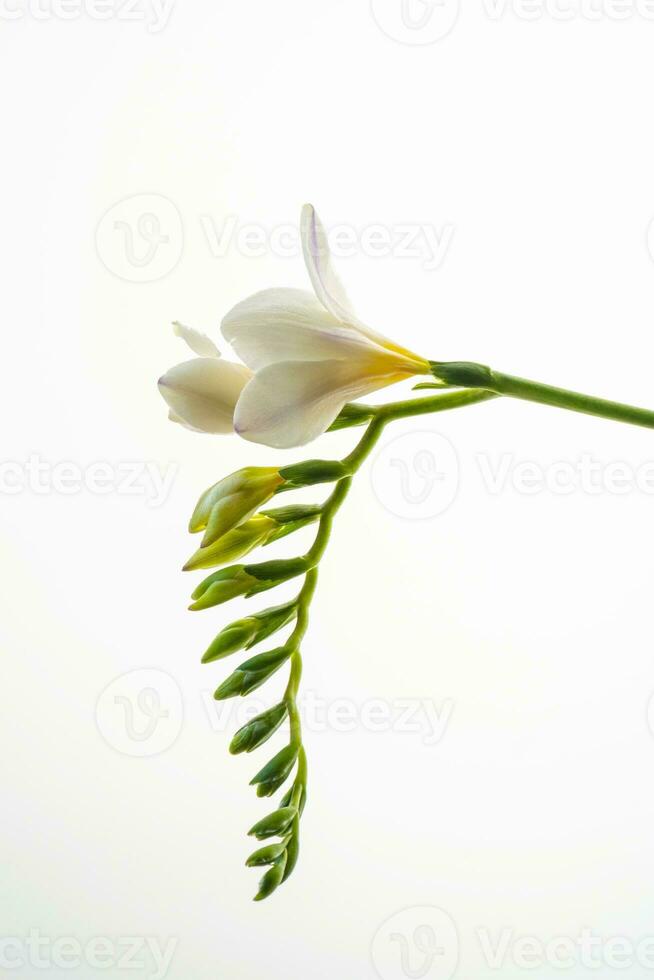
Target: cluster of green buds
[{"x": 229, "y": 514}]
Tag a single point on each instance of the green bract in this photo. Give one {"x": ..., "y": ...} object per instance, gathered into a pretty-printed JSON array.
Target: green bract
[{"x": 314, "y": 471}]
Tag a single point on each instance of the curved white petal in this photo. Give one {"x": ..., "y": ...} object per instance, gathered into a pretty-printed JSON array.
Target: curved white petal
[
  {"x": 199, "y": 343},
  {"x": 202, "y": 393},
  {"x": 328, "y": 287},
  {"x": 291, "y": 403},
  {"x": 277, "y": 325}
]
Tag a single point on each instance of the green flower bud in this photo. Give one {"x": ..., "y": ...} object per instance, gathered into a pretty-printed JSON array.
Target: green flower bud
[
  {"x": 234, "y": 544},
  {"x": 259, "y": 730},
  {"x": 274, "y": 773},
  {"x": 272, "y": 879},
  {"x": 275, "y": 824},
  {"x": 252, "y": 674},
  {"x": 223, "y": 585},
  {"x": 249, "y": 631},
  {"x": 229, "y": 640},
  {"x": 266, "y": 855},
  {"x": 313, "y": 471},
  {"x": 245, "y": 580},
  {"x": 233, "y": 500}
]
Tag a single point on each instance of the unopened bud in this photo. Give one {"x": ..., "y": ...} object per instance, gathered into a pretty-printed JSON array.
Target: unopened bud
[
  {"x": 235, "y": 544},
  {"x": 274, "y": 773},
  {"x": 266, "y": 855},
  {"x": 250, "y": 630},
  {"x": 221, "y": 586},
  {"x": 275, "y": 824},
  {"x": 233, "y": 500},
  {"x": 272, "y": 879},
  {"x": 231, "y": 639},
  {"x": 252, "y": 674},
  {"x": 259, "y": 730}
]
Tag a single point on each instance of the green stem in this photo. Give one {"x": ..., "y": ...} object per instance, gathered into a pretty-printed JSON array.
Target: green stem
[
  {"x": 470, "y": 375},
  {"x": 294, "y": 640}
]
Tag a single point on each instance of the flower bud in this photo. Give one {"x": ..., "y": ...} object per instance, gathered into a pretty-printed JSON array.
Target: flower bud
[
  {"x": 274, "y": 773},
  {"x": 313, "y": 471},
  {"x": 234, "y": 544},
  {"x": 245, "y": 580},
  {"x": 231, "y": 639},
  {"x": 266, "y": 855},
  {"x": 272, "y": 879},
  {"x": 249, "y": 631},
  {"x": 221, "y": 586},
  {"x": 275, "y": 824},
  {"x": 252, "y": 674},
  {"x": 233, "y": 500},
  {"x": 259, "y": 730}
]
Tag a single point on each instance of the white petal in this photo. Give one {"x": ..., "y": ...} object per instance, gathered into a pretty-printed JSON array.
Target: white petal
[
  {"x": 202, "y": 393},
  {"x": 288, "y": 325},
  {"x": 199, "y": 343},
  {"x": 328, "y": 287},
  {"x": 291, "y": 403},
  {"x": 180, "y": 421}
]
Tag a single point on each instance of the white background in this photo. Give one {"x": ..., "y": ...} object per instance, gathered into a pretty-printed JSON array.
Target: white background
[{"x": 529, "y": 614}]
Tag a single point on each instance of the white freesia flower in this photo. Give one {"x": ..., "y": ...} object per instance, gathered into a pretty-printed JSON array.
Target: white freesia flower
[
  {"x": 202, "y": 393},
  {"x": 309, "y": 353}
]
